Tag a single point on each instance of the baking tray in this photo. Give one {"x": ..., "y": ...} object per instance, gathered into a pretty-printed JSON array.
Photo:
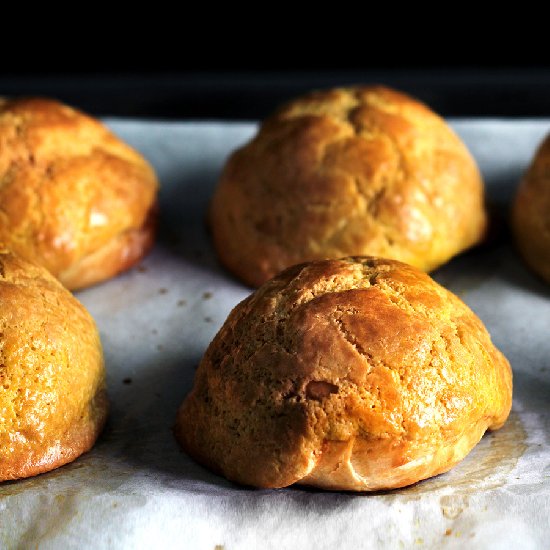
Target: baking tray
[{"x": 136, "y": 489}]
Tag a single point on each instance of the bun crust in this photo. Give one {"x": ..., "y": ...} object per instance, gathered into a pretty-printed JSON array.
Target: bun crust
[
  {"x": 73, "y": 197},
  {"x": 364, "y": 170},
  {"x": 357, "y": 374},
  {"x": 53, "y": 402},
  {"x": 530, "y": 214}
]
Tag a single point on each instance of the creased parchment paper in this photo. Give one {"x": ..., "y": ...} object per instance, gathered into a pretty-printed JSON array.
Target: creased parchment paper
[{"x": 136, "y": 489}]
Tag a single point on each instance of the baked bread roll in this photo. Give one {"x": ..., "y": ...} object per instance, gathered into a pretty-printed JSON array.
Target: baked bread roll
[
  {"x": 53, "y": 402},
  {"x": 363, "y": 170},
  {"x": 531, "y": 213},
  {"x": 73, "y": 197},
  {"x": 356, "y": 374}
]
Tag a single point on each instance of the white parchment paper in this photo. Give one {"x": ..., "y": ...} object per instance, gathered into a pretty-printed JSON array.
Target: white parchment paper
[{"x": 136, "y": 489}]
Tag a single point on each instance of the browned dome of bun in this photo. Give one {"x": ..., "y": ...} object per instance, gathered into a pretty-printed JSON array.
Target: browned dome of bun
[
  {"x": 364, "y": 170},
  {"x": 73, "y": 197},
  {"x": 355, "y": 374},
  {"x": 531, "y": 213},
  {"x": 52, "y": 400}
]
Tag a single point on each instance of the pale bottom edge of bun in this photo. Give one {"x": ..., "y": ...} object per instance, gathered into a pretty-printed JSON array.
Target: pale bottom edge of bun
[
  {"x": 79, "y": 439},
  {"x": 339, "y": 468},
  {"x": 118, "y": 255}
]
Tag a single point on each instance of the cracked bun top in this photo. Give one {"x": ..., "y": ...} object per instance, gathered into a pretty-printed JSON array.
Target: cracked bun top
[
  {"x": 364, "y": 170},
  {"x": 531, "y": 213},
  {"x": 355, "y": 374},
  {"x": 73, "y": 197},
  {"x": 52, "y": 400}
]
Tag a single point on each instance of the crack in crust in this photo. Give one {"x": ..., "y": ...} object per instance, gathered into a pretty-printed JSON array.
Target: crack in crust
[
  {"x": 353, "y": 339},
  {"x": 407, "y": 375}
]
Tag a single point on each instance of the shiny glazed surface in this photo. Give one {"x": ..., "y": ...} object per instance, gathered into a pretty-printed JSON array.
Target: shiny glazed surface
[
  {"x": 73, "y": 197},
  {"x": 364, "y": 170},
  {"x": 53, "y": 402},
  {"x": 531, "y": 212}
]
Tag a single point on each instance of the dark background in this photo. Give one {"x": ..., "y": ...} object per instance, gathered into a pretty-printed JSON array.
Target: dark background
[{"x": 245, "y": 71}]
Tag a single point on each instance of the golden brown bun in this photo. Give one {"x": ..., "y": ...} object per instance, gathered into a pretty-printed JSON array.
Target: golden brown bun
[
  {"x": 531, "y": 213},
  {"x": 73, "y": 197},
  {"x": 53, "y": 402},
  {"x": 355, "y": 374},
  {"x": 363, "y": 170}
]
